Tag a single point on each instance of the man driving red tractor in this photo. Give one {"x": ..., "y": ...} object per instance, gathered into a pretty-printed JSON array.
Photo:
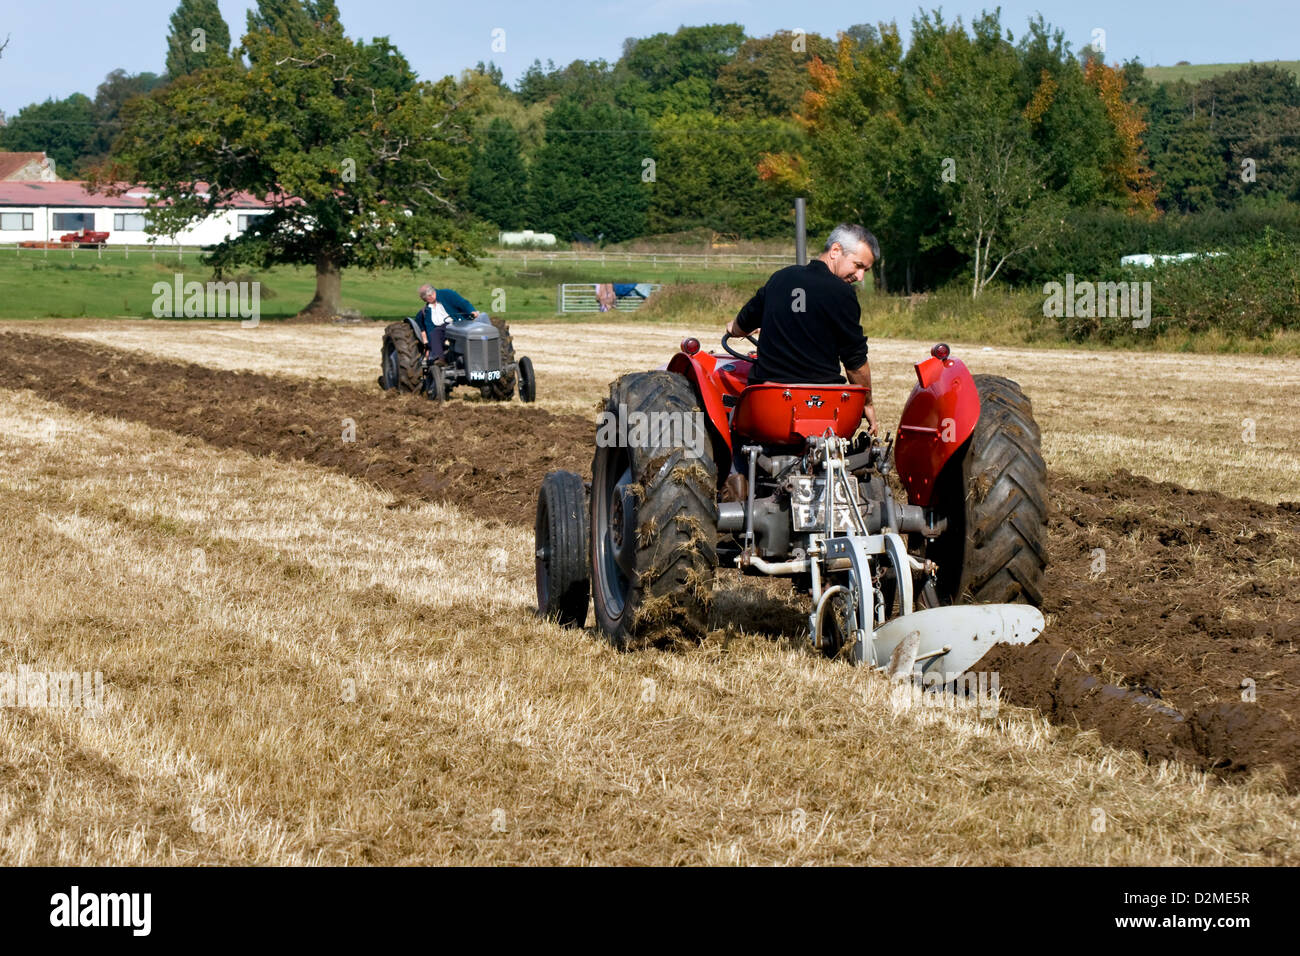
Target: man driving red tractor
[
  {"x": 811, "y": 323},
  {"x": 918, "y": 551}
]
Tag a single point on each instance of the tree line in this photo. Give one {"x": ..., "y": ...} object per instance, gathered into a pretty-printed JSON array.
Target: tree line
[{"x": 970, "y": 151}]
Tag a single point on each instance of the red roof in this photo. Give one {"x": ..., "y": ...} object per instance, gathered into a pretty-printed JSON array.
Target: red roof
[
  {"x": 10, "y": 163},
  {"x": 71, "y": 193}
]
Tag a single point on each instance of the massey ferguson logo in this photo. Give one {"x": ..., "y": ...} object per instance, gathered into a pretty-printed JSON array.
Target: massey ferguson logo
[{"x": 815, "y": 402}]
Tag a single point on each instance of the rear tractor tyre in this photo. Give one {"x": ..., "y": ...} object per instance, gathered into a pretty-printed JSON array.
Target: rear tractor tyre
[
  {"x": 994, "y": 494},
  {"x": 654, "y": 516},
  {"x": 503, "y": 389},
  {"x": 400, "y": 358},
  {"x": 563, "y": 581}
]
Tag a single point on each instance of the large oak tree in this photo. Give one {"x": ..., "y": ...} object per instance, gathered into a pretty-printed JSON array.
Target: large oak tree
[{"x": 363, "y": 166}]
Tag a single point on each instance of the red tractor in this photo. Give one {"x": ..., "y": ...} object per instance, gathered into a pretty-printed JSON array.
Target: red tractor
[{"x": 932, "y": 581}]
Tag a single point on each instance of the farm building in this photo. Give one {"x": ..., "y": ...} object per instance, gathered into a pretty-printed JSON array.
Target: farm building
[
  {"x": 43, "y": 211},
  {"x": 26, "y": 167}
]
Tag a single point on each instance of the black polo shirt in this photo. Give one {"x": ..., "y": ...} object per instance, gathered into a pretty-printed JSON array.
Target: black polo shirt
[{"x": 811, "y": 322}]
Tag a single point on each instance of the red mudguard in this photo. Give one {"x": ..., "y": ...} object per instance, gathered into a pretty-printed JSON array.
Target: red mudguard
[
  {"x": 713, "y": 376},
  {"x": 938, "y": 417}
]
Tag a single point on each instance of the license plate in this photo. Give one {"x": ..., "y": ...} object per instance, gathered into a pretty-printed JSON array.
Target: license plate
[
  {"x": 484, "y": 376},
  {"x": 807, "y": 502}
]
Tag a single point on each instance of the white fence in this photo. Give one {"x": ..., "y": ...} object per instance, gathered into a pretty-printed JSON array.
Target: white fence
[
  {"x": 682, "y": 260},
  {"x": 101, "y": 251},
  {"x": 695, "y": 260},
  {"x": 581, "y": 297}
]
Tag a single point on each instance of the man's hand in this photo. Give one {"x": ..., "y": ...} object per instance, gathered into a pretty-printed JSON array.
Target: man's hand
[
  {"x": 862, "y": 376},
  {"x": 870, "y": 413},
  {"x": 474, "y": 314},
  {"x": 733, "y": 329}
]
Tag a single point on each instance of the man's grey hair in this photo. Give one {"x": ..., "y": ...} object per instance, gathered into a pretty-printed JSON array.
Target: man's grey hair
[
  {"x": 850, "y": 236},
  {"x": 425, "y": 290}
]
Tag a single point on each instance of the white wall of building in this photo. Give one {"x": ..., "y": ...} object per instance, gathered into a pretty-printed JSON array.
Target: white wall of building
[
  {"x": 39, "y": 224},
  {"x": 217, "y": 228}
]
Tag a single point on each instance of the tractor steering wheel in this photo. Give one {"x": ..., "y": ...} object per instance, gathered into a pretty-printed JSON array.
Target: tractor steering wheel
[{"x": 727, "y": 337}]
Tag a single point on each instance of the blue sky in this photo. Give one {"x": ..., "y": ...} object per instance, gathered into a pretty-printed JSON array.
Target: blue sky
[{"x": 58, "y": 47}]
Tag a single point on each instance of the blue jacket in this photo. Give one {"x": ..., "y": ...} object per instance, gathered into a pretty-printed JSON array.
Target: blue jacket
[{"x": 457, "y": 306}]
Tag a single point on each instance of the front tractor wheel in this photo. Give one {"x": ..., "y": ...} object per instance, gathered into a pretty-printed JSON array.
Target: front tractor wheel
[
  {"x": 527, "y": 381},
  {"x": 400, "y": 359},
  {"x": 437, "y": 385},
  {"x": 563, "y": 581},
  {"x": 994, "y": 494},
  {"x": 654, "y": 513}
]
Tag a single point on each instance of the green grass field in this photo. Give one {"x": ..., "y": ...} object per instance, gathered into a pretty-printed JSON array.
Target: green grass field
[
  {"x": 84, "y": 285},
  {"x": 1194, "y": 72},
  {"x": 63, "y": 283}
]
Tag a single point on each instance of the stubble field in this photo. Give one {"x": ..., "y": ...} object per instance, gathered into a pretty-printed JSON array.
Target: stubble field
[{"x": 323, "y": 651}]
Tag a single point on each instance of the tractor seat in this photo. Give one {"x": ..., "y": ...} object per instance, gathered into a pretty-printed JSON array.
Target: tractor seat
[{"x": 774, "y": 413}]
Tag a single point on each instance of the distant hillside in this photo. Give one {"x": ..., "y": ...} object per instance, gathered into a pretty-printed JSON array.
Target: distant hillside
[{"x": 1203, "y": 71}]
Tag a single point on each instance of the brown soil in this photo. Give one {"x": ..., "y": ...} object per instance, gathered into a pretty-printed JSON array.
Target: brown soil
[
  {"x": 1198, "y": 596},
  {"x": 1198, "y": 608},
  {"x": 483, "y": 456}
]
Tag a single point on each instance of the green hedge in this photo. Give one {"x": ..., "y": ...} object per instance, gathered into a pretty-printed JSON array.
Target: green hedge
[
  {"x": 1251, "y": 291},
  {"x": 1093, "y": 241}
]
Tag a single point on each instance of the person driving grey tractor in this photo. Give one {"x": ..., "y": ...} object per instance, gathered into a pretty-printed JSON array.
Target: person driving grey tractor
[{"x": 435, "y": 315}]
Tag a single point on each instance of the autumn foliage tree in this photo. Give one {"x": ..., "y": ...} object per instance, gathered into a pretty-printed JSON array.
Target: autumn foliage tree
[
  {"x": 1128, "y": 168},
  {"x": 950, "y": 148},
  {"x": 768, "y": 76}
]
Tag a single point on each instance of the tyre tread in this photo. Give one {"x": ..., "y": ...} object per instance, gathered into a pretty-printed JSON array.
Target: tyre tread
[
  {"x": 1002, "y": 493},
  {"x": 561, "y": 527},
  {"x": 677, "y": 518},
  {"x": 404, "y": 342}
]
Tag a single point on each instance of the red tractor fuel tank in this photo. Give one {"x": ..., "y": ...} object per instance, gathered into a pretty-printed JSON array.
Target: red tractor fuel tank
[{"x": 777, "y": 414}]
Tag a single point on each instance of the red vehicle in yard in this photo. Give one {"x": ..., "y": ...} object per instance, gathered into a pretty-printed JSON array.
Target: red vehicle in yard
[{"x": 84, "y": 238}]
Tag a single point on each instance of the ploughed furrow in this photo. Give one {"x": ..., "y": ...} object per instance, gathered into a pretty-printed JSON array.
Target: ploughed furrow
[
  {"x": 484, "y": 457},
  {"x": 1173, "y": 625}
]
